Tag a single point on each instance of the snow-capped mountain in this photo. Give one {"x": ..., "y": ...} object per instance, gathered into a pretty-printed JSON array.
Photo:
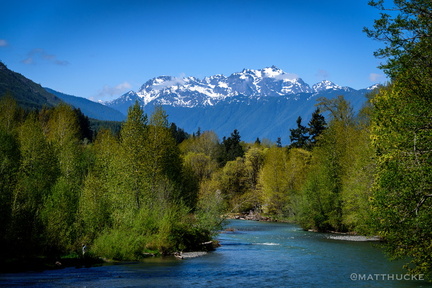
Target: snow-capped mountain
[
  {"x": 326, "y": 85},
  {"x": 259, "y": 103},
  {"x": 194, "y": 92}
]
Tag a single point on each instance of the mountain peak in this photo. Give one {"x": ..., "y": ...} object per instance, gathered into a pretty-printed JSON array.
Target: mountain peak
[
  {"x": 325, "y": 85},
  {"x": 250, "y": 83},
  {"x": 192, "y": 92},
  {"x": 272, "y": 72},
  {"x": 269, "y": 98},
  {"x": 373, "y": 87}
]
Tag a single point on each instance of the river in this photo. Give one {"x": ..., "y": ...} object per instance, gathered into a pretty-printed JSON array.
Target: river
[{"x": 254, "y": 254}]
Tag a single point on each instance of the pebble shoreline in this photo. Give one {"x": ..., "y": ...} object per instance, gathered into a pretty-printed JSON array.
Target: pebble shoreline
[{"x": 355, "y": 238}]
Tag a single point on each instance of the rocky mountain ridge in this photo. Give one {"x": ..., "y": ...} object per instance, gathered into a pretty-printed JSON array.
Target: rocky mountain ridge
[{"x": 192, "y": 92}]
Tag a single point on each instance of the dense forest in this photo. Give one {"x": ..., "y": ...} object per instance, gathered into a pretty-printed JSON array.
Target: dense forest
[
  {"x": 151, "y": 188},
  {"x": 122, "y": 195}
]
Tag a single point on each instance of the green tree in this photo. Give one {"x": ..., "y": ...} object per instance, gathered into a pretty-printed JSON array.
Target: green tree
[
  {"x": 94, "y": 214},
  {"x": 178, "y": 133},
  {"x": 134, "y": 135},
  {"x": 86, "y": 133},
  {"x": 61, "y": 205},
  {"x": 254, "y": 161},
  {"x": 232, "y": 147},
  {"x": 165, "y": 161},
  {"x": 233, "y": 182},
  {"x": 357, "y": 181},
  {"x": 274, "y": 181},
  {"x": 11, "y": 115},
  {"x": 322, "y": 200},
  {"x": 299, "y": 137},
  {"x": 401, "y": 132},
  {"x": 38, "y": 171},
  {"x": 251, "y": 164},
  {"x": 207, "y": 143},
  {"x": 316, "y": 126},
  {"x": 200, "y": 154},
  {"x": 201, "y": 165},
  {"x": 63, "y": 132},
  {"x": 339, "y": 108},
  {"x": 405, "y": 29},
  {"x": 9, "y": 165}
]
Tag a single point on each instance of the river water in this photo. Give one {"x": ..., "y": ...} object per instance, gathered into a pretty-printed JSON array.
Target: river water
[{"x": 254, "y": 254}]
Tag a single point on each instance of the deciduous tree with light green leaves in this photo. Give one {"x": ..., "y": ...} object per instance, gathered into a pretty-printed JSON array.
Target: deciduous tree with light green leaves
[
  {"x": 321, "y": 204},
  {"x": 37, "y": 173},
  {"x": 165, "y": 164},
  {"x": 402, "y": 132}
]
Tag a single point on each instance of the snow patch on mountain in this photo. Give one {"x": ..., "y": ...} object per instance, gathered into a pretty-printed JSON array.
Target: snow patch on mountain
[
  {"x": 325, "y": 85},
  {"x": 373, "y": 87},
  {"x": 193, "y": 92}
]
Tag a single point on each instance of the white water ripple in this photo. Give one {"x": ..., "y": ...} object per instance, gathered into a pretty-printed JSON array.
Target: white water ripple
[{"x": 268, "y": 244}]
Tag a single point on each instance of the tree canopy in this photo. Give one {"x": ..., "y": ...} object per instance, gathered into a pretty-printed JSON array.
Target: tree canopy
[{"x": 402, "y": 132}]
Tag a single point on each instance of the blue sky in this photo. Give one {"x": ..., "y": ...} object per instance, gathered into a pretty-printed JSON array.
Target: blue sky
[{"x": 100, "y": 49}]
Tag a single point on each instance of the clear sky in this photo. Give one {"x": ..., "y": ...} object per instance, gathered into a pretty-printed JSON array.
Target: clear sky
[{"x": 100, "y": 49}]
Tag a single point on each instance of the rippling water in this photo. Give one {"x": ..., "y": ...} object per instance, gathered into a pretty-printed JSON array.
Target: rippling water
[{"x": 255, "y": 254}]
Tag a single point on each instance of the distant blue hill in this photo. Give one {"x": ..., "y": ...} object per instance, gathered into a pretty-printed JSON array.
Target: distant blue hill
[
  {"x": 269, "y": 117},
  {"x": 89, "y": 108}
]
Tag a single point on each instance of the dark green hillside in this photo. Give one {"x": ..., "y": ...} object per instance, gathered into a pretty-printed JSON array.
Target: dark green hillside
[{"x": 28, "y": 94}]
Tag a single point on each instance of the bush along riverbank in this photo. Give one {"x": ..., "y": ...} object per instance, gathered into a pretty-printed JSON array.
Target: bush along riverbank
[
  {"x": 41, "y": 263},
  {"x": 89, "y": 259}
]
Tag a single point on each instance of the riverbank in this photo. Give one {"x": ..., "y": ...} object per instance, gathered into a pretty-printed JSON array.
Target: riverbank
[
  {"x": 348, "y": 236},
  {"x": 252, "y": 216},
  {"x": 355, "y": 238},
  {"x": 41, "y": 263}
]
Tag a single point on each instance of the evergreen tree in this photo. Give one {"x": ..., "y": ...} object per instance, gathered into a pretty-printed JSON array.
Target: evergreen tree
[
  {"x": 178, "y": 133},
  {"x": 316, "y": 126},
  {"x": 232, "y": 147},
  {"x": 279, "y": 142},
  {"x": 84, "y": 126},
  {"x": 299, "y": 137}
]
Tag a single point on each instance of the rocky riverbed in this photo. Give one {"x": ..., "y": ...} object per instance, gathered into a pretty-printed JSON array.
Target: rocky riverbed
[{"x": 355, "y": 238}]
